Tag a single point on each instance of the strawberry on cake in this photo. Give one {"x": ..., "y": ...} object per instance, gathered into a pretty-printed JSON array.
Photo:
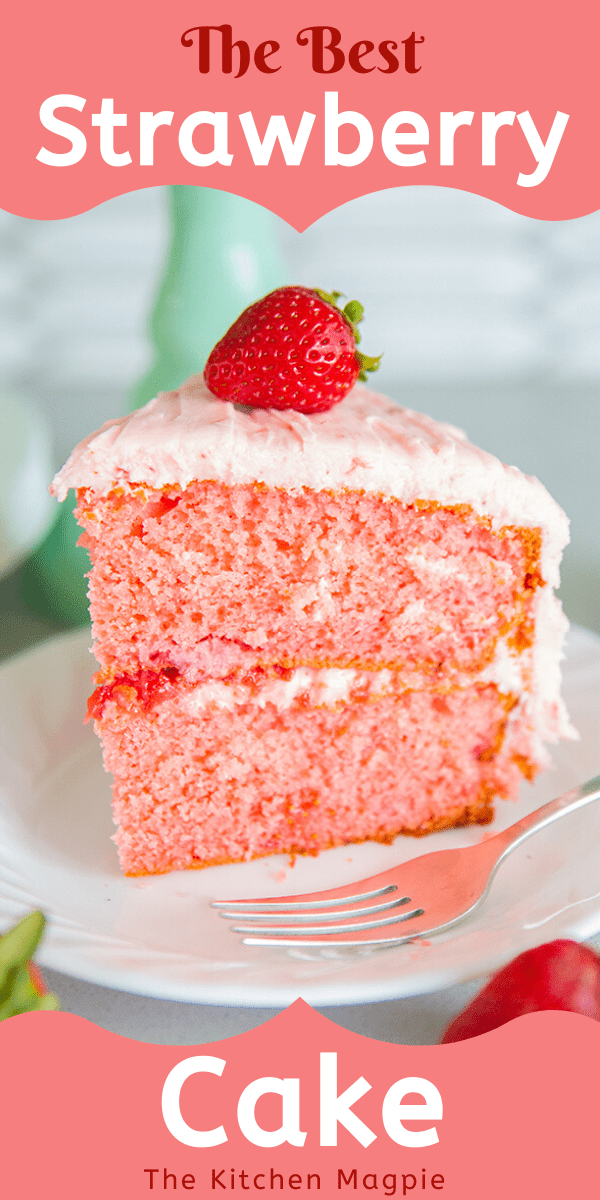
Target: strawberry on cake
[{"x": 319, "y": 617}]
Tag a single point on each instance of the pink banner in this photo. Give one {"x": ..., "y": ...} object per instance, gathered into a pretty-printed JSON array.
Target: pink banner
[
  {"x": 270, "y": 103},
  {"x": 299, "y": 1105}
]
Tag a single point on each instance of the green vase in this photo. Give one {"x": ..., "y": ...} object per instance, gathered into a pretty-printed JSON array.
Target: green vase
[{"x": 223, "y": 256}]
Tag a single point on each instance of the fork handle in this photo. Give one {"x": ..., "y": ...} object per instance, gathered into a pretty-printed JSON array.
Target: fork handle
[{"x": 570, "y": 801}]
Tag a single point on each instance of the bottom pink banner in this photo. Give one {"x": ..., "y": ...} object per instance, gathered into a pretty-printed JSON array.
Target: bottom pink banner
[{"x": 299, "y": 1105}]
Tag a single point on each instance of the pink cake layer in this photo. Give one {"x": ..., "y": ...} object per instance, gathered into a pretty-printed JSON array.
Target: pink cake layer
[
  {"x": 216, "y": 578},
  {"x": 205, "y": 598},
  {"x": 195, "y": 785}
]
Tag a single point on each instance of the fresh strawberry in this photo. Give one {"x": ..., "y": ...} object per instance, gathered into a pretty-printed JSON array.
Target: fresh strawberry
[
  {"x": 36, "y": 979},
  {"x": 293, "y": 349},
  {"x": 560, "y": 975}
]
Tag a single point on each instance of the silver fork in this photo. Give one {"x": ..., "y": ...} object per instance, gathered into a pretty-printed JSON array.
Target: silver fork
[{"x": 446, "y": 885}]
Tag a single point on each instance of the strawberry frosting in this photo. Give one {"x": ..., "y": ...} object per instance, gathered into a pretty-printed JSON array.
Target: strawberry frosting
[{"x": 367, "y": 442}]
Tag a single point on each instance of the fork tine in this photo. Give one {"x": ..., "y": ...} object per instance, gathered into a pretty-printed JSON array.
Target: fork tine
[
  {"x": 355, "y": 927},
  {"x": 328, "y": 899},
  {"x": 330, "y": 914},
  {"x": 377, "y": 939}
]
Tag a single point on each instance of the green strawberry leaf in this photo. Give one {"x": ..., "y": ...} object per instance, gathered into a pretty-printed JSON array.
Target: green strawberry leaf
[
  {"x": 368, "y": 364},
  {"x": 354, "y": 313},
  {"x": 329, "y": 297},
  {"x": 18, "y": 993}
]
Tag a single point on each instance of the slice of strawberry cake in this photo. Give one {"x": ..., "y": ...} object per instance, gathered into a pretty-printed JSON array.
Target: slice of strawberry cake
[{"x": 314, "y": 625}]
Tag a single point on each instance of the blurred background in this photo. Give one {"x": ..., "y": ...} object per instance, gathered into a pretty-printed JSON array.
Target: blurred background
[{"x": 487, "y": 319}]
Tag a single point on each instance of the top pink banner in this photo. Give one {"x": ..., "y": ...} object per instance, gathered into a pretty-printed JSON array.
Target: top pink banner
[{"x": 270, "y": 103}]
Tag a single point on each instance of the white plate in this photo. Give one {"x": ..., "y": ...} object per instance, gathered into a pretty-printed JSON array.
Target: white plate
[{"x": 158, "y": 936}]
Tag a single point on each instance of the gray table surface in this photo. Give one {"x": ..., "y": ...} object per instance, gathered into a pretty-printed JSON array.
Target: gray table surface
[{"x": 416, "y": 1021}]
